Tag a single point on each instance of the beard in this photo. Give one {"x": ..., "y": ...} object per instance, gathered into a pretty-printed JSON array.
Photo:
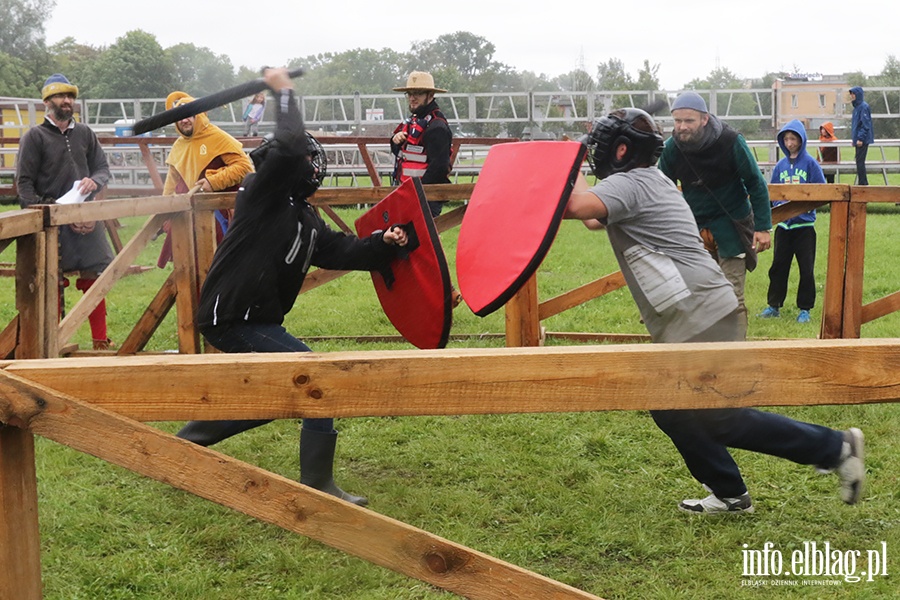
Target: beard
[
  {"x": 61, "y": 114},
  {"x": 688, "y": 137}
]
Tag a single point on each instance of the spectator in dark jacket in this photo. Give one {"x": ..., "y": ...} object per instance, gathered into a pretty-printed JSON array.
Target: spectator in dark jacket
[
  {"x": 861, "y": 132},
  {"x": 56, "y": 157}
]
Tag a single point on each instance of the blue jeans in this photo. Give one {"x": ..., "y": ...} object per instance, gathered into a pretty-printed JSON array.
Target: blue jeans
[
  {"x": 247, "y": 337},
  {"x": 703, "y": 436}
]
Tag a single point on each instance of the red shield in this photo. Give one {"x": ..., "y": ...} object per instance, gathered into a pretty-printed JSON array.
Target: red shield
[
  {"x": 512, "y": 218},
  {"x": 415, "y": 292}
]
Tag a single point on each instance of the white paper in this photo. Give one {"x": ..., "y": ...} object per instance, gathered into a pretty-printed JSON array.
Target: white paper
[{"x": 73, "y": 196}]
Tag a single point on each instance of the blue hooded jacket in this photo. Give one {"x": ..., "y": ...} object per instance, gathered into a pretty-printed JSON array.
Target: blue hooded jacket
[
  {"x": 861, "y": 123},
  {"x": 802, "y": 169}
]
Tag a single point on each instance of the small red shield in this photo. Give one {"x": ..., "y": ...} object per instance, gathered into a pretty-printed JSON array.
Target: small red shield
[{"x": 415, "y": 292}]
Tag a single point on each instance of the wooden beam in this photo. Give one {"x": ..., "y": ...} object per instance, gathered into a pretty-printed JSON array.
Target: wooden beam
[
  {"x": 20, "y": 542},
  {"x": 874, "y": 193},
  {"x": 9, "y": 339},
  {"x": 262, "y": 495},
  {"x": 580, "y": 295},
  {"x": 338, "y": 196},
  {"x": 152, "y": 318},
  {"x": 104, "y": 210},
  {"x": 835, "y": 273},
  {"x": 854, "y": 267},
  {"x": 170, "y": 387},
  {"x": 186, "y": 283},
  {"x": 119, "y": 267},
  {"x": 150, "y": 163},
  {"x": 20, "y": 547},
  {"x": 17, "y": 223},
  {"x": 881, "y": 307},
  {"x": 523, "y": 325},
  {"x": 825, "y": 192},
  {"x": 49, "y": 277},
  {"x": 31, "y": 295}
]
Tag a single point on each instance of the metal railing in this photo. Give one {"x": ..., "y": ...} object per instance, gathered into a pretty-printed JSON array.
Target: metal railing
[{"x": 346, "y": 113}]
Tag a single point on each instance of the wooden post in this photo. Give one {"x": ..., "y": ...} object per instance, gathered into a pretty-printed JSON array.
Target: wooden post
[
  {"x": 853, "y": 285},
  {"x": 836, "y": 273},
  {"x": 204, "y": 241},
  {"x": 51, "y": 297},
  {"x": 523, "y": 327},
  {"x": 184, "y": 257},
  {"x": 20, "y": 543}
]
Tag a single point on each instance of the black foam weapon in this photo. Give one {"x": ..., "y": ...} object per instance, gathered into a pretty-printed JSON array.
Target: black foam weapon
[{"x": 173, "y": 115}]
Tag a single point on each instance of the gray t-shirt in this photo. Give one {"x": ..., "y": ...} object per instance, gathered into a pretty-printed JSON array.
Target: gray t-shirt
[{"x": 678, "y": 287}]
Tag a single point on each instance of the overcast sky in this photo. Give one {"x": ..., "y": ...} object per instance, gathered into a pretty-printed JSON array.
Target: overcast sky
[{"x": 687, "y": 38}]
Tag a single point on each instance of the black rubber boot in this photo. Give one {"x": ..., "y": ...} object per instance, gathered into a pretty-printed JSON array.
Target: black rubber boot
[
  {"x": 207, "y": 433},
  {"x": 317, "y": 464}
]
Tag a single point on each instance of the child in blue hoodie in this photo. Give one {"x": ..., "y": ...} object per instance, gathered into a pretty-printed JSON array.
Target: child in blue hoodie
[{"x": 797, "y": 235}]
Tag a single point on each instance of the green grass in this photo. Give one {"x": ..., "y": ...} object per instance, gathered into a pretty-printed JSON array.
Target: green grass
[{"x": 588, "y": 499}]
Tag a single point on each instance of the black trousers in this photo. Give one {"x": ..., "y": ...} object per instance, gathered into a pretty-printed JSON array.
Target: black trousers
[
  {"x": 799, "y": 242},
  {"x": 861, "y": 177}
]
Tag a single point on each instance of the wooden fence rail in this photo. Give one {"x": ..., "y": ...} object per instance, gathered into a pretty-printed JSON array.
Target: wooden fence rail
[
  {"x": 57, "y": 399},
  {"x": 843, "y": 311}
]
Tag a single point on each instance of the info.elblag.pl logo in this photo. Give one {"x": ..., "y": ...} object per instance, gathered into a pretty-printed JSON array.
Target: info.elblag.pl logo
[{"x": 823, "y": 563}]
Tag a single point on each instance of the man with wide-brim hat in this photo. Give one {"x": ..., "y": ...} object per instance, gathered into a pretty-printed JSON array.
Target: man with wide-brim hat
[{"x": 422, "y": 141}]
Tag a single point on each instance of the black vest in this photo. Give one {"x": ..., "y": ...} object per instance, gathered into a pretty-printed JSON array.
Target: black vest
[{"x": 712, "y": 168}]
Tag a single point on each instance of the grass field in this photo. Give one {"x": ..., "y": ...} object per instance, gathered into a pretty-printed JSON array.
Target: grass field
[{"x": 588, "y": 499}]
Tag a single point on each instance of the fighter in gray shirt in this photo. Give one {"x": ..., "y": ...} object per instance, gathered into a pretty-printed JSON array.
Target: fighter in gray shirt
[{"x": 683, "y": 296}]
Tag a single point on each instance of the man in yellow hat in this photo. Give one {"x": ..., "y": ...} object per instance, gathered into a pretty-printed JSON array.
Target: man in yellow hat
[
  {"x": 202, "y": 155},
  {"x": 421, "y": 143},
  {"x": 54, "y": 158}
]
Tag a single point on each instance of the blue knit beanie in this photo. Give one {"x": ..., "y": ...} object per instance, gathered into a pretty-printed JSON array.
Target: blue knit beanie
[
  {"x": 691, "y": 100},
  {"x": 58, "y": 84}
]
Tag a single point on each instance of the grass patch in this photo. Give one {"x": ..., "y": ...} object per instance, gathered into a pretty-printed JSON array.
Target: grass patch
[{"x": 588, "y": 499}]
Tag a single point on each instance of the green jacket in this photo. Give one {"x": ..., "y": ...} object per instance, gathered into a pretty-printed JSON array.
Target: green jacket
[{"x": 720, "y": 184}]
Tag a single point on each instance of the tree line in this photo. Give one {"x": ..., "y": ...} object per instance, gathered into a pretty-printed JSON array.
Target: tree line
[{"x": 460, "y": 61}]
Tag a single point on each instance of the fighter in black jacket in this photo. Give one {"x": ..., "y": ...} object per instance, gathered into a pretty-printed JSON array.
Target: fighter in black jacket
[{"x": 260, "y": 266}]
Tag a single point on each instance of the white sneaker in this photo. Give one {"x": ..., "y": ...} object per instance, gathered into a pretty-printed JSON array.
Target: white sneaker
[
  {"x": 852, "y": 468},
  {"x": 713, "y": 505}
]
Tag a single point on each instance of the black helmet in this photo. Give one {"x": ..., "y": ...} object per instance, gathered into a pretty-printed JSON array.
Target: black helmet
[
  {"x": 314, "y": 163},
  {"x": 630, "y": 126}
]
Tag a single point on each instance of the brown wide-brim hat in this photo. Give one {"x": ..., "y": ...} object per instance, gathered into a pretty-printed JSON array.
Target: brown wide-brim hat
[{"x": 419, "y": 80}]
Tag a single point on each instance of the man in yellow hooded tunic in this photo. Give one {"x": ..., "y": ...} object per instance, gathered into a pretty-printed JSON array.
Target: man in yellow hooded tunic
[{"x": 206, "y": 155}]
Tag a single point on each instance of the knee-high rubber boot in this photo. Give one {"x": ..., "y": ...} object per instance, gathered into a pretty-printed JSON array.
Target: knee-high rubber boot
[
  {"x": 317, "y": 464},
  {"x": 207, "y": 433}
]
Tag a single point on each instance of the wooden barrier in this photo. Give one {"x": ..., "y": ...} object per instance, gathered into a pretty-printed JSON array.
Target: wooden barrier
[
  {"x": 58, "y": 400},
  {"x": 843, "y": 312}
]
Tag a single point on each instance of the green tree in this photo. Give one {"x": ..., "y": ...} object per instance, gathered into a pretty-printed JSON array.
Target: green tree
[
  {"x": 469, "y": 54},
  {"x": 719, "y": 78},
  {"x": 648, "y": 77},
  {"x": 135, "y": 66},
  {"x": 611, "y": 76},
  {"x": 74, "y": 60},
  {"x": 16, "y": 79},
  {"x": 362, "y": 70},
  {"x": 200, "y": 71},
  {"x": 22, "y": 26},
  {"x": 577, "y": 80}
]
